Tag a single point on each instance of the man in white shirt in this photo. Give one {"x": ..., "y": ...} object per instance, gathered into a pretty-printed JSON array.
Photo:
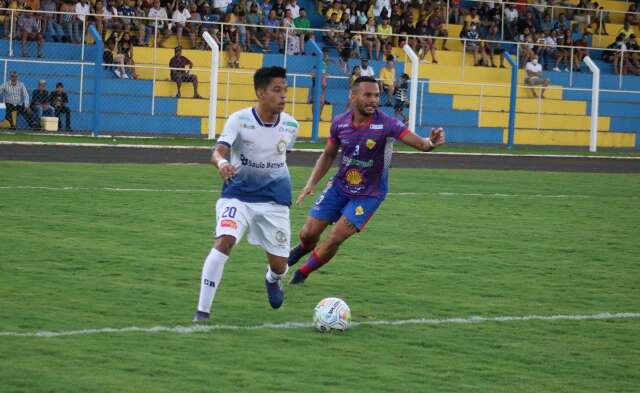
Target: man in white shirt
[
  {"x": 295, "y": 8},
  {"x": 534, "y": 77},
  {"x": 160, "y": 13},
  {"x": 365, "y": 68},
  {"x": 180, "y": 17},
  {"x": 221, "y": 5},
  {"x": 380, "y": 5},
  {"x": 82, "y": 10},
  {"x": 256, "y": 194}
]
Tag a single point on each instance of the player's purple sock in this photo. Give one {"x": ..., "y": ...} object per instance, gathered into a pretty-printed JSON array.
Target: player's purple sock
[
  {"x": 314, "y": 262},
  {"x": 296, "y": 253}
]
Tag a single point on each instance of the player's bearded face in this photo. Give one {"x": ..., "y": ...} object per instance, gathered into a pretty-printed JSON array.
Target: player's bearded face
[
  {"x": 275, "y": 95},
  {"x": 365, "y": 97}
]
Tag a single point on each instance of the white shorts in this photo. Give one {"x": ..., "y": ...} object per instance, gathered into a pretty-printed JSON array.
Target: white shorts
[{"x": 268, "y": 224}]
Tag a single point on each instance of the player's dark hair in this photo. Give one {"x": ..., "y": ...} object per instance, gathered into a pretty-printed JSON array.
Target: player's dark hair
[
  {"x": 264, "y": 75},
  {"x": 363, "y": 79}
]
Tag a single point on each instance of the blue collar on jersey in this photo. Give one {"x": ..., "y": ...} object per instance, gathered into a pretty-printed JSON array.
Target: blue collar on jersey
[{"x": 262, "y": 124}]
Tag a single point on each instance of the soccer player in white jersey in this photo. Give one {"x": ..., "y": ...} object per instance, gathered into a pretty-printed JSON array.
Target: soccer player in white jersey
[{"x": 256, "y": 195}]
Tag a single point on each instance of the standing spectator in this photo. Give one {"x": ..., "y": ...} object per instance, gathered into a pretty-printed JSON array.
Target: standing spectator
[
  {"x": 53, "y": 29},
  {"x": 302, "y": 22},
  {"x": 180, "y": 17},
  {"x": 29, "y": 28},
  {"x": 16, "y": 99},
  {"x": 160, "y": 14},
  {"x": 534, "y": 77},
  {"x": 384, "y": 35},
  {"x": 510, "y": 21},
  {"x": 40, "y": 103},
  {"x": 365, "y": 68},
  {"x": 436, "y": 28},
  {"x": 82, "y": 9},
  {"x": 473, "y": 44},
  {"x": 387, "y": 79},
  {"x": 67, "y": 19},
  {"x": 59, "y": 101},
  {"x": 180, "y": 72}
]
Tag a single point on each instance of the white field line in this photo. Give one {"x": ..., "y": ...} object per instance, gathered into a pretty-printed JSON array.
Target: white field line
[
  {"x": 319, "y": 150},
  {"x": 444, "y": 194},
  {"x": 305, "y": 325}
]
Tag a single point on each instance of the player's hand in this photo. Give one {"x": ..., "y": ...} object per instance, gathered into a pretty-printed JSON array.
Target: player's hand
[
  {"x": 437, "y": 136},
  {"x": 227, "y": 171},
  {"x": 307, "y": 190}
]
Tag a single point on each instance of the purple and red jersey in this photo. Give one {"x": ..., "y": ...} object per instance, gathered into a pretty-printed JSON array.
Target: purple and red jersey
[{"x": 366, "y": 152}]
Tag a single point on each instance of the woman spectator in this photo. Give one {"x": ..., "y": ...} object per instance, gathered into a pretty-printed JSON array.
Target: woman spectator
[
  {"x": 234, "y": 47},
  {"x": 370, "y": 39},
  {"x": 125, "y": 48}
]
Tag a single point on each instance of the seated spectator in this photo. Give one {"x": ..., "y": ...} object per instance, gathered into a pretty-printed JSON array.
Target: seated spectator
[
  {"x": 113, "y": 59},
  {"x": 16, "y": 99},
  {"x": 302, "y": 22},
  {"x": 473, "y": 44},
  {"x": 333, "y": 36},
  {"x": 124, "y": 46},
  {"x": 471, "y": 18},
  {"x": 600, "y": 19},
  {"x": 280, "y": 7},
  {"x": 29, "y": 28},
  {"x": 510, "y": 21},
  {"x": 632, "y": 16},
  {"x": 400, "y": 93},
  {"x": 562, "y": 54},
  {"x": 126, "y": 9},
  {"x": 562, "y": 23},
  {"x": 365, "y": 68},
  {"x": 535, "y": 77},
  {"x": 59, "y": 101},
  {"x": 547, "y": 24},
  {"x": 40, "y": 103},
  {"x": 180, "y": 72},
  {"x": 160, "y": 14},
  {"x": 222, "y": 5},
  {"x": 67, "y": 20},
  {"x": 270, "y": 32},
  {"x": 387, "y": 80},
  {"x": 527, "y": 46},
  {"x": 580, "y": 52},
  {"x": 294, "y": 8},
  {"x": 384, "y": 31},
  {"x": 53, "y": 30},
  {"x": 336, "y": 8},
  {"x": 81, "y": 22},
  {"x": 370, "y": 40},
  {"x": 436, "y": 27},
  {"x": 194, "y": 23},
  {"x": 546, "y": 52},
  {"x": 632, "y": 45},
  {"x": 111, "y": 21},
  {"x": 180, "y": 17},
  {"x": 626, "y": 30},
  {"x": 492, "y": 48}
]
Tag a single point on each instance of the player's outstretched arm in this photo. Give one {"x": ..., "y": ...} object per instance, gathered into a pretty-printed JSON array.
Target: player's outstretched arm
[
  {"x": 219, "y": 159},
  {"x": 319, "y": 170},
  {"x": 425, "y": 144}
]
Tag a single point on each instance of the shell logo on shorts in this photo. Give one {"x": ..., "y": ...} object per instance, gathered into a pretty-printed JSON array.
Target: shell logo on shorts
[
  {"x": 228, "y": 224},
  {"x": 282, "y": 146},
  {"x": 359, "y": 211},
  {"x": 353, "y": 177}
]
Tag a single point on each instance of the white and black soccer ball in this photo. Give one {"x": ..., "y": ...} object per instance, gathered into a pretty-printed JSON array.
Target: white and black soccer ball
[{"x": 331, "y": 314}]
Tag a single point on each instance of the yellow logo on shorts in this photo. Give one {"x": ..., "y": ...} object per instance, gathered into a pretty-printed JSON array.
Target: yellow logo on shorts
[
  {"x": 353, "y": 177},
  {"x": 371, "y": 144},
  {"x": 359, "y": 211}
]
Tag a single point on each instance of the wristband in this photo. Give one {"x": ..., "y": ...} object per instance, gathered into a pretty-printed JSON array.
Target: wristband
[
  {"x": 431, "y": 145},
  {"x": 222, "y": 163}
]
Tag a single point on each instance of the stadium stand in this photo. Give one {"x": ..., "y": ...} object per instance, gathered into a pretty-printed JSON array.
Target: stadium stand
[{"x": 471, "y": 101}]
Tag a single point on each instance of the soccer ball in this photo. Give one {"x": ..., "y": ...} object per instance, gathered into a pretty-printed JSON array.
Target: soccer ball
[{"x": 331, "y": 314}]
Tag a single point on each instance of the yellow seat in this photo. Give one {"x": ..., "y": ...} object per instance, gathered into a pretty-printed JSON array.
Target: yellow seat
[
  {"x": 570, "y": 138},
  {"x": 523, "y": 105},
  {"x": 194, "y": 107},
  {"x": 542, "y": 121}
]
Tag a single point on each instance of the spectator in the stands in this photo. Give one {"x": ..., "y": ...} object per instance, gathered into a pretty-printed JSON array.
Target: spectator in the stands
[
  {"x": 631, "y": 16},
  {"x": 436, "y": 27},
  {"x": 547, "y": 24},
  {"x": 561, "y": 53},
  {"x": 626, "y": 30},
  {"x": 382, "y": 8},
  {"x": 370, "y": 39},
  {"x": 336, "y": 8},
  {"x": 365, "y": 68},
  {"x": 126, "y": 8},
  {"x": 473, "y": 44},
  {"x": 600, "y": 19},
  {"x": 510, "y": 21},
  {"x": 114, "y": 59},
  {"x": 82, "y": 9},
  {"x": 67, "y": 19},
  {"x": 280, "y": 8},
  {"x": 534, "y": 77},
  {"x": 384, "y": 35},
  {"x": 253, "y": 32},
  {"x": 387, "y": 79},
  {"x": 181, "y": 72},
  {"x": 401, "y": 96},
  {"x": 294, "y": 8},
  {"x": 271, "y": 32},
  {"x": 160, "y": 14},
  {"x": 194, "y": 23},
  {"x": 53, "y": 29},
  {"x": 580, "y": 52},
  {"x": 16, "y": 99},
  {"x": 333, "y": 36},
  {"x": 562, "y": 23},
  {"x": 470, "y": 18},
  {"x": 111, "y": 21},
  {"x": 221, "y": 5},
  {"x": 180, "y": 17},
  {"x": 29, "y": 28},
  {"x": 234, "y": 45},
  {"x": 492, "y": 47},
  {"x": 125, "y": 48},
  {"x": 59, "y": 101},
  {"x": 526, "y": 45},
  {"x": 98, "y": 17},
  {"x": 302, "y": 22},
  {"x": 40, "y": 102}
]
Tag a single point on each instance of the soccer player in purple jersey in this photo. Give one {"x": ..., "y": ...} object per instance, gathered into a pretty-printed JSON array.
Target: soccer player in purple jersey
[{"x": 366, "y": 137}]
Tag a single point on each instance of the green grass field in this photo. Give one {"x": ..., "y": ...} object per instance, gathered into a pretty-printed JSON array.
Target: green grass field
[{"x": 116, "y": 246}]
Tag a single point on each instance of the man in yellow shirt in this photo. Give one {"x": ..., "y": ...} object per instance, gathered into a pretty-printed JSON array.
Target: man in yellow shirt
[{"x": 387, "y": 79}]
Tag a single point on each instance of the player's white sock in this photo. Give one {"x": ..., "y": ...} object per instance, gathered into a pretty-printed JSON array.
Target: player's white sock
[
  {"x": 272, "y": 276},
  {"x": 211, "y": 277}
]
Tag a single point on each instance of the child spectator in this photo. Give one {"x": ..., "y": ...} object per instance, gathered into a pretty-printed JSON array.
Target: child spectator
[
  {"x": 400, "y": 94},
  {"x": 59, "y": 101}
]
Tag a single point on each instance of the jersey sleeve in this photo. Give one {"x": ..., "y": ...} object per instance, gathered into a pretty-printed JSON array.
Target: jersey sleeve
[
  {"x": 333, "y": 133},
  {"x": 294, "y": 136},
  {"x": 230, "y": 131},
  {"x": 397, "y": 129}
]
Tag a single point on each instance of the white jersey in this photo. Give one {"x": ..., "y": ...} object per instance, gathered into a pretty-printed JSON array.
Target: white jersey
[{"x": 258, "y": 153}]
